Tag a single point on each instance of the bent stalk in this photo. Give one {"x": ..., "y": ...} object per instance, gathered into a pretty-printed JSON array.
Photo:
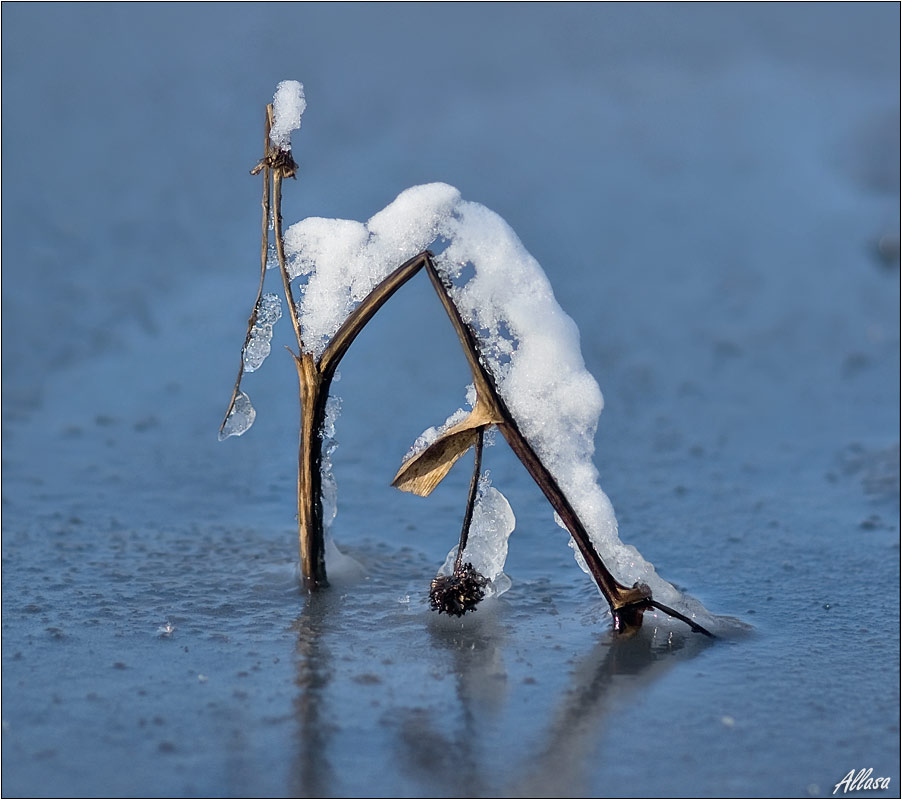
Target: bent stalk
[{"x": 627, "y": 603}]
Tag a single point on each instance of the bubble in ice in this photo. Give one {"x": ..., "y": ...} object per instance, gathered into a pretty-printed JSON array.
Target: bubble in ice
[{"x": 240, "y": 418}]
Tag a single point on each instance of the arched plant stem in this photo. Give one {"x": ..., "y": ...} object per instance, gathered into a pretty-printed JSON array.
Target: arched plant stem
[
  {"x": 315, "y": 379},
  {"x": 627, "y": 603}
]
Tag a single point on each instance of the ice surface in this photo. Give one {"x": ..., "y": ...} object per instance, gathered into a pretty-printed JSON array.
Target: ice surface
[
  {"x": 530, "y": 345},
  {"x": 258, "y": 346},
  {"x": 492, "y": 524},
  {"x": 288, "y": 106},
  {"x": 240, "y": 418}
]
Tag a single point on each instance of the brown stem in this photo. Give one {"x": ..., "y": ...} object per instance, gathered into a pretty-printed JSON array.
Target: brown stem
[
  {"x": 315, "y": 379},
  {"x": 264, "y": 246},
  {"x": 311, "y": 542},
  {"x": 471, "y": 501},
  {"x": 627, "y": 603},
  {"x": 359, "y": 317},
  {"x": 277, "y": 175}
]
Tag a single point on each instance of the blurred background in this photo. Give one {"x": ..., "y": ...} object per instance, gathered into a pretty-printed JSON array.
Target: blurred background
[{"x": 713, "y": 190}]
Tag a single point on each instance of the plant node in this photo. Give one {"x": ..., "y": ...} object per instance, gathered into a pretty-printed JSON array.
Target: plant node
[{"x": 278, "y": 160}]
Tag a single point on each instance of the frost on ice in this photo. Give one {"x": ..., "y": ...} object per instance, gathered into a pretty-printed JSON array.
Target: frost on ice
[
  {"x": 492, "y": 524},
  {"x": 240, "y": 418},
  {"x": 289, "y": 104},
  {"x": 529, "y": 344},
  {"x": 258, "y": 346}
]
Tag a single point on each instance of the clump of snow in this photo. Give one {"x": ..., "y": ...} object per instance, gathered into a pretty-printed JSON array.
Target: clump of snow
[
  {"x": 269, "y": 311},
  {"x": 492, "y": 524},
  {"x": 288, "y": 104},
  {"x": 529, "y": 344},
  {"x": 343, "y": 260},
  {"x": 240, "y": 418}
]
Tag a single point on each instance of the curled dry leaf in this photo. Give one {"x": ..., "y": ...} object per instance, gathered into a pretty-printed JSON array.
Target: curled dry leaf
[{"x": 421, "y": 473}]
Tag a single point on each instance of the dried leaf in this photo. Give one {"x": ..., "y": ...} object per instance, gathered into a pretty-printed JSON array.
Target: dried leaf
[{"x": 424, "y": 471}]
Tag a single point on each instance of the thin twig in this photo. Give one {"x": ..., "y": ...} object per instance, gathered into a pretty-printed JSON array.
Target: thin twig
[
  {"x": 674, "y": 613},
  {"x": 277, "y": 174},
  {"x": 471, "y": 501},
  {"x": 264, "y": 248}
]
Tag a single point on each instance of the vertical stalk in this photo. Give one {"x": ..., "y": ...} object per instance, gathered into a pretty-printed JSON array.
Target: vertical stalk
[
  {"x": 311, "y": 542},
  {"x": 471, "y": 500}
]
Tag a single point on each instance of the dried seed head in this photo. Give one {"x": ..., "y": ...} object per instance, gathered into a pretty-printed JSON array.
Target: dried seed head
[
  {"x": 278, "y": 159},
  {"x": 457, "y": 593}
]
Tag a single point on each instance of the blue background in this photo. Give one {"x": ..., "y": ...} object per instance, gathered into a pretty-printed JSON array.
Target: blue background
[{"x": 714, "y": 193}]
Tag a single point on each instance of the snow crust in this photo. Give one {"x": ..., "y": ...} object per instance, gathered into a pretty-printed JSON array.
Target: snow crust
[
  {"x": 530, "y": 345},
  {"x": 288, "y": 104}
]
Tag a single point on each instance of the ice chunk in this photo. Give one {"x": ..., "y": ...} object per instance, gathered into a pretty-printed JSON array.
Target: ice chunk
[
  {"x": 240, "y": 418},
  {"x": 288, "y": 106},
  {"x": 328, "y": 484},
  {"x": 258, "y": 346},
  {"x": 492, "y": 524},
  {"x": 269, "y": 312}
]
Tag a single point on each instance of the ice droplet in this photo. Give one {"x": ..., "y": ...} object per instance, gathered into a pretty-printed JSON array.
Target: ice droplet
[{"x": 240, "y": 418}]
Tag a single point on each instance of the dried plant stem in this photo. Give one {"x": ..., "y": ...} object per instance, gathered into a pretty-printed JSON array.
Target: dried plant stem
[
  {"x": 264, "y": 248},
  {"x": 471, "y": 500},
  {"x": 627, "y": 603},
  {"x": 277, "y": 176},
  {"x": 315, "y": 377}
]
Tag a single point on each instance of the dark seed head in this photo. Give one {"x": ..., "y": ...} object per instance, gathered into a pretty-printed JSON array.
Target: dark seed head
[{"x": 457, "y": 593}]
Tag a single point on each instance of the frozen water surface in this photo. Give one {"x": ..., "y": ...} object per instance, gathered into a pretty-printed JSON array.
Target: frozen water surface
[{"x": 713, "y": 193}]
